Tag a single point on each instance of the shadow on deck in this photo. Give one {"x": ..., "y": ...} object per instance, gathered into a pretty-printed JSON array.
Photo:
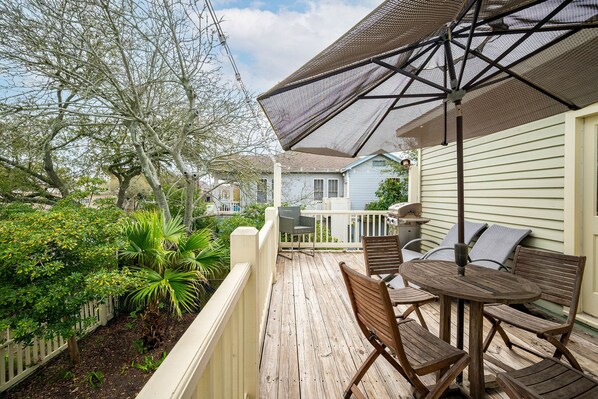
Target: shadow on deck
[{"x": 313, "y": 346}]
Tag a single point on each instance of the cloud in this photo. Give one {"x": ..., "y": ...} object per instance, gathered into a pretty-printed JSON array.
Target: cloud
[{"x": 268, "y": 45}]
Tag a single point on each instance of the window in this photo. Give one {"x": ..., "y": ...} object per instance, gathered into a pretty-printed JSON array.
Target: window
[
  {"x": 262, "y": 191},
  {"x": 318, "y": 189},
  {"x": 379, "y": 163},
  {"x": 332, "y": 188}
]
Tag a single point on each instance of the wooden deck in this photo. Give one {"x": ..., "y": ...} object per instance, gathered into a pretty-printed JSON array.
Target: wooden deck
[{"x": 313, "y": 346}]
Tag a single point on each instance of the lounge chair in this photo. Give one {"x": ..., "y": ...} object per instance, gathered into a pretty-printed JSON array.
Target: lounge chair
[
  {"x": 416, "y": 351},
  {"x": 559, "y": 276},
  {"x": 491, "y": 250},
  {"x": 472, "y": 230},
  {"x": 382, "y": 258}
]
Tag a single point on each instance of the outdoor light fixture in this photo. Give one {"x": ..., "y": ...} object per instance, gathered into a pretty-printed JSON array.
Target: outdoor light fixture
[{"x": 406, "y": 163}]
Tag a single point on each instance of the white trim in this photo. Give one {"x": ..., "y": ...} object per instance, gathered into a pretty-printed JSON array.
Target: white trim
[{"x": 573, "y": 195}]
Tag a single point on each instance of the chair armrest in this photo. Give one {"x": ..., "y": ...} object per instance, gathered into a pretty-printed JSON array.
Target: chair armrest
[
  {"x": 307, "y": 221},
  {"x": 438, "y": 249},
  {"x": 286, "y": 224},
  {"x": 420, "y": 240},
  {"x": 500, "y": 265}
]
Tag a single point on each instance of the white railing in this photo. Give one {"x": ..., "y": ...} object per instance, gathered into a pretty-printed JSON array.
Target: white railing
[
  {"x": 228, "y": 207},
  {"x": 18, "y": 361},
  {"x": 218, "y": 356},
  {"x": 342, "y": 228}
]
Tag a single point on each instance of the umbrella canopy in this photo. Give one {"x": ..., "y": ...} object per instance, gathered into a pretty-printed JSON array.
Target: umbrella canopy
[{"x": 385, "y": 84}]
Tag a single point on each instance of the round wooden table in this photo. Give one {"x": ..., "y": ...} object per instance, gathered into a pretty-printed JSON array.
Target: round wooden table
[{"x": 479, "y": 285}]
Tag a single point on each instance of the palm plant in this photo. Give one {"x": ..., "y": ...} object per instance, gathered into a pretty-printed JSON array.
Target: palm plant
[{"x": 172, "y": 262}]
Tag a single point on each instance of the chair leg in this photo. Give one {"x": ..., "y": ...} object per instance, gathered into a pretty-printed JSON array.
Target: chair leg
[
  {"x": 448, "y": 377},
  {"x": 496, "y": 328},
  {"x": 561, "y": 349},
  {"x": 420, "y": 317},
  {"x": 353, "y": 388}
]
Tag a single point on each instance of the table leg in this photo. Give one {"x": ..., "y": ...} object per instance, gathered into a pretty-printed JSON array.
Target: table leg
[
  {"x": 444, "y": 332},
  {"x": 476, "y": 365},
  {"x": 445, "y": 319}
]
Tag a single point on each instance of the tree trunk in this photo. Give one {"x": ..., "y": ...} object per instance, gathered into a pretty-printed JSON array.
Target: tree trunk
[
  {"x": 189, "y": 203},
  {"x": 51, "y": 172},
  {"x": 149, "y": 171},
  {"x": 124, "y": 182},
  {"x": 74, "y": 350}
]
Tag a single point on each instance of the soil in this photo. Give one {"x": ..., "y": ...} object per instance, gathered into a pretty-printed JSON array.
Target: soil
[{"x": 111, "y": 350}]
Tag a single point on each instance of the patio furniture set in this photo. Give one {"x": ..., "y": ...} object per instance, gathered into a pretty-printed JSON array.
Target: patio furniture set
[{"x": 415, "y": 352}]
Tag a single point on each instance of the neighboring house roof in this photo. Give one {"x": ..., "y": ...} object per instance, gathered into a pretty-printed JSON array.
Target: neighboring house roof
[
  {"x": 362, "y": 160},
  {"x": 298, "y": 162}
]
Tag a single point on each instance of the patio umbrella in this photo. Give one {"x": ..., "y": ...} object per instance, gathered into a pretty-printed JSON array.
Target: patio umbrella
[{"x": 417, "y": 73}]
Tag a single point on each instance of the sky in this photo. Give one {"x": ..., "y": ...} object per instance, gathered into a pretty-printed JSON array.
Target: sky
[{"x": 271, "y": 39}]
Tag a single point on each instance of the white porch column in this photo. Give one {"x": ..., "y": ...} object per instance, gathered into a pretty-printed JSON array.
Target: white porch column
[
  {"x": 277, "y": 185},
  {"x": 414, "y": 186}
]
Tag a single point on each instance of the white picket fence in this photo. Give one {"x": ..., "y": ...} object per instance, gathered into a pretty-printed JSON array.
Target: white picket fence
[
  {"x": 17, "y": 361},
  {"x": 342, "y": 228}
]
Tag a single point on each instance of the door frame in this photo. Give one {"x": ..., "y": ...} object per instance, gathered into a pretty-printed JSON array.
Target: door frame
[{"x": 573, "y": 192}]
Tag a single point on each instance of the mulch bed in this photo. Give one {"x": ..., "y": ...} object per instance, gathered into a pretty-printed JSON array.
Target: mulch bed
[{"x": 109, "y": 350}]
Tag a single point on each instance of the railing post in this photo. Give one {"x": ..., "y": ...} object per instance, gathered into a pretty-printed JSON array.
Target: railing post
[
  {"x": 244, "y": 248},
  {"x": 272, "y": 214},
  {"x": 277, "y": 185}
]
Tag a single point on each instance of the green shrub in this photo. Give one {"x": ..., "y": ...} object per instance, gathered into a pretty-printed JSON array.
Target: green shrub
[{"x": 54, "y": 261}]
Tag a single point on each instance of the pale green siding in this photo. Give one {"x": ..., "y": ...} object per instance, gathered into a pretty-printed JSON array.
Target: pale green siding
[{"x": 514, "y": 178}]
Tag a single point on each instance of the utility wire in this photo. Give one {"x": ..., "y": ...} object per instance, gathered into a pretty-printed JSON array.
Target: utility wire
[{"x": 229, "y": 54}]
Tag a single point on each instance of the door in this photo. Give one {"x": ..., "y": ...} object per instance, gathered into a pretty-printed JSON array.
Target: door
[{"x": 590, "y": 215}]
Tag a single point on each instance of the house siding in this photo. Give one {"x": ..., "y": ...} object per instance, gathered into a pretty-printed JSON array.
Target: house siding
[
  {"x": 514, "y": 178},
  {"x": 297, "y": 188},
  {"x": 364, "y": 180}
]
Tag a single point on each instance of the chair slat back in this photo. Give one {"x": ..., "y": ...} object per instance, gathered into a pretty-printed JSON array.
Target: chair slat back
[
  {"x": 559, "y": 276},
  {"x": 382, "y": 255},
  {"x": 372, "y": 308}
]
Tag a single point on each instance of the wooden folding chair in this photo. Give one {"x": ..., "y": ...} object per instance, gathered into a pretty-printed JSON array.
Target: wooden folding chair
[
  {"x": 548, "y": 379},
  {"x": 383, "y": 258},
  {"x": 417, "y": 351},
  {"x": 559, "y": 276}
]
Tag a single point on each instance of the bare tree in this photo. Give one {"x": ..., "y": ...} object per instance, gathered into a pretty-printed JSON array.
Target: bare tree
[{"x": 150, "y": 65}]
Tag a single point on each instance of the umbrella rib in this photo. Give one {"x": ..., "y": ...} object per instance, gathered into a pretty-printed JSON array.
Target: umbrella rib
[
  {"x": 412, "y": 76},
  {"x": 407, "y": 85},
  {"x": 415, "y": 103},
  {"x": 568, "y": 104},
  {"x": 524, "y": 58},
  {"x": 547, "y": 18},
  {"x": 469, "y": 38},
  {"x": 499, "y": 16},
  {"x": 356, "y": 98},
  {"x": 576, "y": 27},
  {"x": 327, "y": 75},
  {"x": 387, "y": 96}
]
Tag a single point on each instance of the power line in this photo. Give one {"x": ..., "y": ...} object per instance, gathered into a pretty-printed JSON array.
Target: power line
[{"x": 229, "y": 54}]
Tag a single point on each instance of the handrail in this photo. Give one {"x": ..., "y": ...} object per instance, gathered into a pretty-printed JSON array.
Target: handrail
[
  {"x": 342, "y": 212},
  {"x": 218, "y": 356},
  {"x": 178, "y": 376}
]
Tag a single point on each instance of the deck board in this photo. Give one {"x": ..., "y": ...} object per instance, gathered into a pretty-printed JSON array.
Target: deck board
[{"x": 313, "y": 347}]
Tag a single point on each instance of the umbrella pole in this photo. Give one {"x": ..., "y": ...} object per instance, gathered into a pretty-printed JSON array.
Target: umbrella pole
[{"x": 460, "y": 247}]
